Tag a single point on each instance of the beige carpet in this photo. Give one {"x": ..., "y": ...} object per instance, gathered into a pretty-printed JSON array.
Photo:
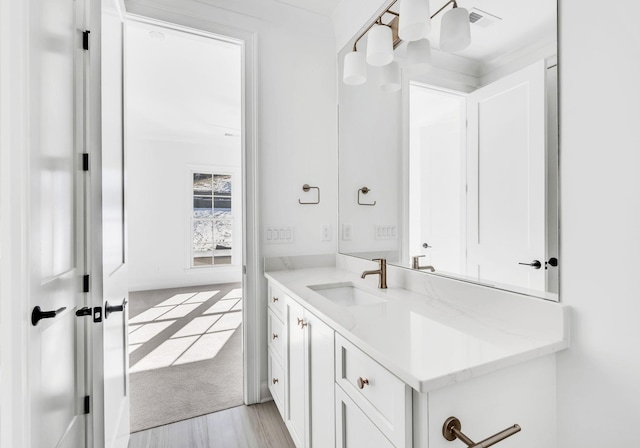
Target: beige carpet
[{"x": 183, "y": 390}]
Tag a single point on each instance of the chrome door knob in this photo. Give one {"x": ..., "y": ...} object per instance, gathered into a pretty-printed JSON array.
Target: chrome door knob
[{"x": 108, "y": 309}]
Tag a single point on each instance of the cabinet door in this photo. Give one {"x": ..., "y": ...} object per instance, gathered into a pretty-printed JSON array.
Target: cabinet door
[
  {"x": 296, "y": 385},
  {"x": 276, "y": 380},
  {"x": 353, "y": 428},
  {"x": 321, "y": 382}
]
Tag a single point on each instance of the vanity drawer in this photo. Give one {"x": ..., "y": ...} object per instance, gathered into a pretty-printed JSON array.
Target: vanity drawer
[
  {"x": 276, "y": 381},
  {"x": 276, "y": 335},
  {"x": 384, "y": 398},
  {"x": 276, "y": 301}
]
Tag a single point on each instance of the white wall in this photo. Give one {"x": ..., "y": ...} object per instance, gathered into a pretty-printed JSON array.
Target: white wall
[{"x": 599, "y": 377}]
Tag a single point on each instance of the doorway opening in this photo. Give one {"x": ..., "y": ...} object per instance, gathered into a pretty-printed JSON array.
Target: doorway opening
[{"x": 184, "y": 195}]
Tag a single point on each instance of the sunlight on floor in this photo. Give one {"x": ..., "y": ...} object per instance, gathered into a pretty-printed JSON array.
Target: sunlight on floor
[{"x": 200, "y": 339}]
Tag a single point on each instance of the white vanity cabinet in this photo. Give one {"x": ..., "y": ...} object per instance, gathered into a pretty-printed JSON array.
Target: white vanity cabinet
[
  {"x": 307, "y": 349},
  {"x": 389, "y": 375}
]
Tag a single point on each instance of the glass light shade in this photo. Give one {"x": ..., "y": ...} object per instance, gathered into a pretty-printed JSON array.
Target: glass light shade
[
  {"x": 455, "y": 31},
  {"x": 355, "y": 69},
  {"x": 379, "y": 45},
  {"x": 415, "y": 20},
  {"x": 390, "y": 77},
  {"x": 419, "y": 56}
]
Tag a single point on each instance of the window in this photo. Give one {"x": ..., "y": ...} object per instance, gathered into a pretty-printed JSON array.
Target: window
[{"x": 212, "y": 220}]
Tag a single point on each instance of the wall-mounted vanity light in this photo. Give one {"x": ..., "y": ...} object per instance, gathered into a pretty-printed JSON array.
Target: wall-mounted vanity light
[{"x": 411, "y": 24}]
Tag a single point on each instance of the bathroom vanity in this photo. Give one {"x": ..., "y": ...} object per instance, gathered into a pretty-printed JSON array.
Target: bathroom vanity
[{"x": 352, "y": 365}]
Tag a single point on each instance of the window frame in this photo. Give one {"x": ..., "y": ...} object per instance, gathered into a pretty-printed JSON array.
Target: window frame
[{"x": 213, "y": 171}]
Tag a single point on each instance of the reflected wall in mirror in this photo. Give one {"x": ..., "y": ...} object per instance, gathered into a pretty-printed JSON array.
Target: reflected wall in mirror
[{"x": 462, "y": 163}]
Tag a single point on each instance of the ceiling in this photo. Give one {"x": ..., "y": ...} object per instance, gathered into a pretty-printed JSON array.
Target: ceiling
[
  {"x": 323, "y": 7},
  {"x": 519, "y": 24}
]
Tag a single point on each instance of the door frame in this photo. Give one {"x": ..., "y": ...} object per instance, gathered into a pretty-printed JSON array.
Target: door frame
[
  {"x": 14, "y": 220},
  {"x": 251, "y": 251}
]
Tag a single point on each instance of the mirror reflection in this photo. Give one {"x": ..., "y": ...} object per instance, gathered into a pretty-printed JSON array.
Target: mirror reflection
[{"x": 456, "y": 174}]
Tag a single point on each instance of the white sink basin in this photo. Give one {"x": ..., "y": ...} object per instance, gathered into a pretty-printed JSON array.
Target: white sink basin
[{"x": 346, "y": 294}]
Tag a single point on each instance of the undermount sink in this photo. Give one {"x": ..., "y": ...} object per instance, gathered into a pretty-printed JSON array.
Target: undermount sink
[{"x": 346, "y": 294}]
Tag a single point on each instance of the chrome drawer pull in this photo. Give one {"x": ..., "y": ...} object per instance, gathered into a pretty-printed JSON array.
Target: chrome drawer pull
[
  {"x": 275, "y": 380},
  {"x": 362, "y": 382},
  {"x": 302, "y": 323},
  {"x": 274, "y": 336},
  {"x": 275, "y": 299}
]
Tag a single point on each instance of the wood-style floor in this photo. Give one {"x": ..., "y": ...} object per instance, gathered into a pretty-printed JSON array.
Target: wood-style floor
[{"x": 255, "y": 426}]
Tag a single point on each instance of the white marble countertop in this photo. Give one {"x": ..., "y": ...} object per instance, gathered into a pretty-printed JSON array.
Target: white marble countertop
[{"x": 430, "y": 342}]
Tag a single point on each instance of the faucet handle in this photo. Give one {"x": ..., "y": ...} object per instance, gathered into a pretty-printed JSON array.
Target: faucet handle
[{"x": 417, "y": 256}]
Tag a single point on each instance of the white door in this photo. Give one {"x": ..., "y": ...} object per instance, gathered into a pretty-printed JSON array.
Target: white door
[
  {"x": 56, "y": 363},
  {"x": 506, "y": 169},
  {"x": 110, "y": 289}
]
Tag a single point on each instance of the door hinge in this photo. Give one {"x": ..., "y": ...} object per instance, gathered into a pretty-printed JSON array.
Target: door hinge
[
  {"x": 85, "y": 283},
  {"x": 87, "y": 404},
  {"x": 85, "y": 162},
  {"x": 244, "y": 270},
  {"x": 85, "y": 39}
]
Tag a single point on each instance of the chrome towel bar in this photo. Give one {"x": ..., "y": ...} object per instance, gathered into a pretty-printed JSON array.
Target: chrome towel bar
[{"x": 451, "y": 430}]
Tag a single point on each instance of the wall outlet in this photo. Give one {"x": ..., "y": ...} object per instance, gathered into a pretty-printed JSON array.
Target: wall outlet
[
  {"x": 347, "y": 232},
  {"x": 278, "y": 234},
  {"x": 326, "y": 232}
]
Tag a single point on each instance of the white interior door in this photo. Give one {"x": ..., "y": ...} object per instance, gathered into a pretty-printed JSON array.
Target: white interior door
[
  {"x": 506, "y": 169},
  {"x": 57, "y": 374},
  {"x": 110, "y": 291}
]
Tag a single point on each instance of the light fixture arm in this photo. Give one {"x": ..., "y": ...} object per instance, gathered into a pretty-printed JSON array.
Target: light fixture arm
[
  {"x": 455, "y": 5},
  {"x": 378, "y": 20}
]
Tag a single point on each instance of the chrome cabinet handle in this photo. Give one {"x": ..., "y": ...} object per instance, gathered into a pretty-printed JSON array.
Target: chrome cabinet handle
[
  {"x": 275, "y": 299},
  {"x": 37, "y": 314},
  {"x": 535, "y": 264},
  {"x": 362, "y": 382},
  {"x": 275, "y": 380},
  {"x": 451, "y": 430},
  {"x": 302, "y": 323},
  {"x": 274, "y": 336}
]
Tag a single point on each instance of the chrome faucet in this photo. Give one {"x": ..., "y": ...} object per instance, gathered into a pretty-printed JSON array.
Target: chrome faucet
[
  {"x": 416, "y": 264},
  {"x": 382, "y": 271}
]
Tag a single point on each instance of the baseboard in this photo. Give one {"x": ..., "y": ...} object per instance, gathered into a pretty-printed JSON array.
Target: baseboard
[{"x": 265, "y": 393}]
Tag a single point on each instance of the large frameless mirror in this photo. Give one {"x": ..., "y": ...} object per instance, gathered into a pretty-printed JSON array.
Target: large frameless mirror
[{"x": 455, "y": 173}]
